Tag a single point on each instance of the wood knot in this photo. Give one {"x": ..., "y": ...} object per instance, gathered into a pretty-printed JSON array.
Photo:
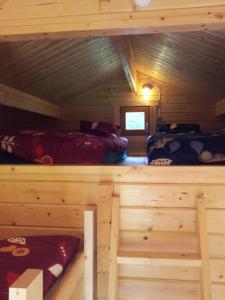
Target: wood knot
[
  {"x": 219, "y": 15},
  {"x": 200, "y": 195}
]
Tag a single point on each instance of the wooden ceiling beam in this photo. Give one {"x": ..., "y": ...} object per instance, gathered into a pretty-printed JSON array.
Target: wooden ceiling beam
[
  {"x": 20, "y": 19},
  {"x": 220, "y": 108},
  {"x": 17, "y": 99},
  {"x": 125, "y": 52}
]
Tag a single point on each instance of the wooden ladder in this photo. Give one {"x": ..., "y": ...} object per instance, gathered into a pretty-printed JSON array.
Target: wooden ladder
[{"x": 200, "y": 261}]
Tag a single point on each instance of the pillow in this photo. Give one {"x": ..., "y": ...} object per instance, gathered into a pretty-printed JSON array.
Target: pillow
[
  {"x": 98, "y": 128},
  {"x": 178, "y": 127}
]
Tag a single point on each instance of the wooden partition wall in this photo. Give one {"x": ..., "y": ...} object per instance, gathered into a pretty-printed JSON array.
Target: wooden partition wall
[{"x": 171, "y": 238}]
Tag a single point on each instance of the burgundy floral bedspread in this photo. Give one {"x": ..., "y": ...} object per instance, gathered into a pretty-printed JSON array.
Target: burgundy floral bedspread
[
  {"x": 61, "y": 147},
  {"x": 49, "y": 253}
]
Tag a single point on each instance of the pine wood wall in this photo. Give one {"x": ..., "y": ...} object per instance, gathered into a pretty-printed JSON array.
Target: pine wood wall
[
  {"x": 103, "y": 104},
  {"x": 176, "y": 106}
]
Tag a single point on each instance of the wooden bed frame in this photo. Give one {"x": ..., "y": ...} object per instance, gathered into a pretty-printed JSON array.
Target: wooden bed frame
[
  {"x": 78, "y": 282},
  {"x": 160, "y": 230}
]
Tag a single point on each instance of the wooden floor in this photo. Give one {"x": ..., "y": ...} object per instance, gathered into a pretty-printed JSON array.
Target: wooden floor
[{"x": 134, "y": 161}]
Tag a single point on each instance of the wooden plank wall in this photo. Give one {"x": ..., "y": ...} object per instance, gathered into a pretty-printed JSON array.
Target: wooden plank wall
[
  {"x": 103, "y": 104},
  {"x": 51, "y": 208},
  {"x": 91, "y": 17},
  {"x": 162, "y": 219},
  {"x": 46, "y": 201},
  {"x": 176, "y": 106}
]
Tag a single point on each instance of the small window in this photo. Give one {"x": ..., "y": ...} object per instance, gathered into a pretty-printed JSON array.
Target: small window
[{"x": 134, "y": 120}]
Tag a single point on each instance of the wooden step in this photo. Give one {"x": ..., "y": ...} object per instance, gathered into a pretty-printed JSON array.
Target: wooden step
[{"x": 159, "y": 259}]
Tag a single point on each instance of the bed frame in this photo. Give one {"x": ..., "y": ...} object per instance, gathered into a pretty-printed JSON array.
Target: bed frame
[
  {"x": 78, "y": 282},
  {"x": 160, "y": 230}
]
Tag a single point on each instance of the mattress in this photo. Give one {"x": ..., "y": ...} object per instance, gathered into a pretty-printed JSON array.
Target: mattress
[
  {"x": 52, "y": 254},
  {"x": 186, "y": 149},
  {"x": 68, "y": 147}
]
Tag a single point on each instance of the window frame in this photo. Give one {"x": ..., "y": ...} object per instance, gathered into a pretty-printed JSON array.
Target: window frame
[{"x": 125, "y": 109}]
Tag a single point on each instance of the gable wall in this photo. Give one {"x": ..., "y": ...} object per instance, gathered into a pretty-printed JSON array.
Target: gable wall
[
  {"x": 176, "y": 106},
  {"x": 103, "y": 104}
]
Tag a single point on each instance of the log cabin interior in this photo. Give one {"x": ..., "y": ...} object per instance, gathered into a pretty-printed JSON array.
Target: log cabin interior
[
  {"x": 91, "y": 78},
  {"x": 160, "y": 229}
]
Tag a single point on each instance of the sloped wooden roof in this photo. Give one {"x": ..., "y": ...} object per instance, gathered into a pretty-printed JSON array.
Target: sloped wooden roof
[
  {"x": 193, "y": 59},
  {"x": 59, "y": 70}
]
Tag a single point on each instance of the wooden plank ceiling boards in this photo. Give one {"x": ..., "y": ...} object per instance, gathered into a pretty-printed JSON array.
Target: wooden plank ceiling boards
[
  {"x": 58, "y": 70},
  {"x": 62, "y": 70},
  {"x": 192, "y": 60},
  {"x": 21, "y": 19},
  {"x": 17, "y": 99}
]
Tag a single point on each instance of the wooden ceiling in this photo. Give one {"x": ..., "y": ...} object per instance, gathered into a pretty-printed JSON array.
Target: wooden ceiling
[
  {"x": 57, "y": 70},
  {"x": 60, "y": 70},
  {"x": 192, "y": 59}
]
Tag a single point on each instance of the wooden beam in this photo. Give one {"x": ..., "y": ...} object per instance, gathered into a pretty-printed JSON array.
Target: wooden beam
[
  {"x": 124, "y": 49},
  {"x": 28, "y": 286},
  {"x": 114, "y": 245},
  {"x": 220, "y": 108},
  {"x": 159, "y": 259},
  {"x": 137, "y": 174},
  {"x": 203, "y": 245},
  {"x": 90, "y": 254},
  {"x": 104, "y": 218},
  {"x": 31, "y": 19},
  {"x": 15, "y": 98}
]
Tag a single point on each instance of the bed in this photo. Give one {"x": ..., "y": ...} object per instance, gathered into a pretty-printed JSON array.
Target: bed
[
  {"x": 58, "y": 266},
  {"x": 61, "y": 147},
  {"x": 190, "y": 147}
]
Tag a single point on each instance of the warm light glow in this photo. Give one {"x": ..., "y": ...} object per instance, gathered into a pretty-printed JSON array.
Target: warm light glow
[{"x": 147, "y": 91}]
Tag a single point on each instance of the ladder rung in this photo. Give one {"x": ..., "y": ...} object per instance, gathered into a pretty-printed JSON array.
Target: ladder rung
[{"x": 159, "y": 259}]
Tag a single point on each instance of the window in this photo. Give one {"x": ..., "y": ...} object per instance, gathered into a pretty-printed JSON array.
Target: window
[{"x": 134, "y": 120}]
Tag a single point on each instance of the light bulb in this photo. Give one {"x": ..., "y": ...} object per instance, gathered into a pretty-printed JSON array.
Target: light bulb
[
  {"x": 146, "y": 90},
  {"x": 142, "y": 3}
]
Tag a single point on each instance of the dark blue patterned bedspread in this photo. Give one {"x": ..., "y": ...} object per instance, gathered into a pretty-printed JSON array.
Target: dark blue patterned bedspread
[{"x": 186, "y": 149}]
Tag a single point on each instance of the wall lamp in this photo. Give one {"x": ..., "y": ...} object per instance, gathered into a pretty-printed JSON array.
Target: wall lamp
[{"x": 146, "y": 90}]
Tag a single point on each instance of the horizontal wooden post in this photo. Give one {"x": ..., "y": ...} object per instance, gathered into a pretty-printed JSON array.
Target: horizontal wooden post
[
  {"x": 159, "y": 259},
  {"x": 20, "y": 19},
  {"x": 17, "y": 99}
]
